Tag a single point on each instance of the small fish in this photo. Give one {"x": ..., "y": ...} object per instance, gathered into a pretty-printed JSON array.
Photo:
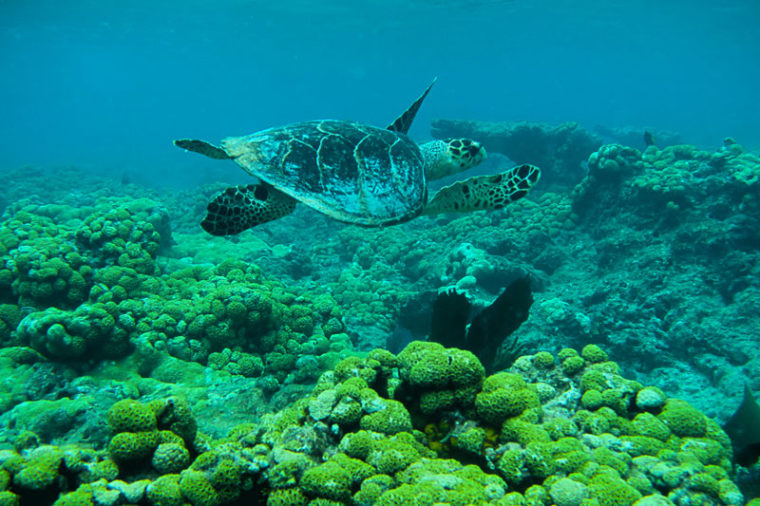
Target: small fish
[
  {"x": 744, "y": 430},
  {"x": 648, "y": 138}
]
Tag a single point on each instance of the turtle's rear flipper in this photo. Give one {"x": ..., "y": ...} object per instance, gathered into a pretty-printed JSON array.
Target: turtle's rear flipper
[
  {"x": 242, "y": 207},
  {"x": 203, "y": 148},
  {"x": 485, "y": 192}
]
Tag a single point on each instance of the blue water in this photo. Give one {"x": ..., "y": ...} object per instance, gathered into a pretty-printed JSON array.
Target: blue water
[{"x": 107, "y": 85}]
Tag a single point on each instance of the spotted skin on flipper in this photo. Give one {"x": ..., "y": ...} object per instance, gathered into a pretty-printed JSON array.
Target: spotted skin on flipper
[
  {"x": 239, "y": 208},
  {"x": 485, "y": 192}
]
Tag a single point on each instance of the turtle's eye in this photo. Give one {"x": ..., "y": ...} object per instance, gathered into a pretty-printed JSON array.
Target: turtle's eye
[{"x": 473, "y": 148}]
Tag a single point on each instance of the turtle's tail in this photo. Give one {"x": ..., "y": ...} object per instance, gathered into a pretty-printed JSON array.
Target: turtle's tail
[
  {"x": 242, "y": 207},
  {"x": 203, "y": 148}
]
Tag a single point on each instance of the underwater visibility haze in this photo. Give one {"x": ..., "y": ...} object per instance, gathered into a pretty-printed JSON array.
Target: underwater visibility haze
[{"x": 538, "y": 286}]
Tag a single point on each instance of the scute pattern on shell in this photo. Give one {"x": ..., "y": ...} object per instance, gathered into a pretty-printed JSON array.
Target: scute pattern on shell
[{"x": 349, "y": 171}]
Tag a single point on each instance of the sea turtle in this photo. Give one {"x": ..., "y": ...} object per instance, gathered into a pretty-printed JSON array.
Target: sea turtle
[{"x": 354, "y": 173}]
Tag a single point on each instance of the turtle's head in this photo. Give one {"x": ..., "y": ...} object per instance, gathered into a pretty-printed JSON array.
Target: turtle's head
[{"x": 450, "y": 156}]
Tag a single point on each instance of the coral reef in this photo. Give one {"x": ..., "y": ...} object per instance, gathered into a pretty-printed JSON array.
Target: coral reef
[
  {"x": 528, "y": 435},
  {"x": 653, "y": 256},
  {"x": 93, "y": 289}
]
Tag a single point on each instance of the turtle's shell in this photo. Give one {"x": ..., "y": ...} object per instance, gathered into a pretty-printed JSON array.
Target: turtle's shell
[{"x": 349, "y": 171}]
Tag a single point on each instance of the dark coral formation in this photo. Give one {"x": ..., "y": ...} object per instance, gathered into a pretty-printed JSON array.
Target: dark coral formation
[{"x": 486, "y": 334}]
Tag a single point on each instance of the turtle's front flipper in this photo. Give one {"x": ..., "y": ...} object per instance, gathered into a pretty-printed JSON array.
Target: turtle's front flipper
[
  {"x": 242, "y": 207},
  {"x": 484, "y": 192},
  {"x": 203, "y": 148}
]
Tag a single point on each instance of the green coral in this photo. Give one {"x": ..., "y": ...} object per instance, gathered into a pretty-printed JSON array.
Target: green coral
[
  {"x": 8, "y": 498},
  {"x": 443, "y": 378},
  {"x": 358, "y": 444},
  {"x": 10, "y": 316},
  {"x": 76, "y": 498},
  {"x": 511, "y": 467},
  {"x": 174, "y": 414},
  {"x": 391, "y": 417},
  {"x": 504, "y": 395},
  {"x": 329, "y": 481},
  {"x": 347, "y": 412},
  {"x": 170, "y": 458},
  {"x": 707, "y": 451},
  {"x": 592, "y": 399},
  {"x": 444, "y": 482},
  {"x": 573, "y": 364},
  {"x": 197, "y": 489},
  {"x": 567, "y": 492},
  {"x": 683, "y": 419},
  {"x": 129, "y": 415},
  {"x": 127, "y": 447},
  {"x": 126, "y": 233},
  {"x": 642, "y": 445},
  {"x": 49, "y": 272},
  {"x": 5, "y": 479},
  {"x": 287, "y": 497},
  {"x": 165, "y": 491},
  {"x": 615, "y": 460},
  {"x": 607, "y": 167},
  {"x": 354, "y": 441},
  {"x": 471, "y": 440},
  {"x": 62, "y": 334},
  {"x": 90, "y": 466},
  {"x": 392, "y": 454},
  {"x": 537, "y": 494},
  {"x": 543, "y": 360},
  {"x": 649, "y": 425},
  {"x": 372, "y": 488},
  {"x": 610, "y": 490},
  {"x": 539, "y": 459},
  {"x": 703, "y": 482},
  {"x": 226, "y": 476},
  {"x": 560, "y": 427},
  {"x": 594, "y": 379},
  {"x": 40, "y": 470},
  {"x": 523, "y": 432}
]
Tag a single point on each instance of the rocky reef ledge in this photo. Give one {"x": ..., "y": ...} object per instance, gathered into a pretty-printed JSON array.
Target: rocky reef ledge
[{"x": 422, "y": 427}]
